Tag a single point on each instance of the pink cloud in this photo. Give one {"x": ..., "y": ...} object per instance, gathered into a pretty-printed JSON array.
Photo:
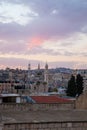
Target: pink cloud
[{"x": 35, "y": 41}]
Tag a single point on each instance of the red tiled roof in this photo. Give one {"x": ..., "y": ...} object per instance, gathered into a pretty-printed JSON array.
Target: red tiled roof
[{"x": 49, "y": 99}]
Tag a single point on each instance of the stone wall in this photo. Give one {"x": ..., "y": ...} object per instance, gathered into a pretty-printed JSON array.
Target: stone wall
[
  {"x": 35, "y": 107},
  {"x": 73, "y": 125},
  {"x": 81, "y": 101}
]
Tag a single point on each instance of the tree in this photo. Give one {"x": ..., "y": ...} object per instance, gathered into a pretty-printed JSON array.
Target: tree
[
  {"x": 71, "y": 90},
  {"x": 44, "y": 84},
  {"x": 55, "y": 90},
  {"x": 79, "y": 84},
  {"x": 37, "y": 85}
]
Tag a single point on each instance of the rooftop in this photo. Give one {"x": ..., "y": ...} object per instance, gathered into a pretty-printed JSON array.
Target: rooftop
[
  {"x": 49, "y": 99},
  {"x": 9, "y": 95},
  {"x": 44, "y": 116}
]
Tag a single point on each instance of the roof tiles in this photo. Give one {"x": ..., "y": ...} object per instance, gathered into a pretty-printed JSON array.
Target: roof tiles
[{"x": 49, "y": 99}]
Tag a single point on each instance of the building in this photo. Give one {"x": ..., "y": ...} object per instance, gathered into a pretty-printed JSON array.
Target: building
[{"x": 10, "y": 98}]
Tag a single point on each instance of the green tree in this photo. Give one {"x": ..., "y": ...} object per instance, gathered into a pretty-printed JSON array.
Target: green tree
[
  {"x": 71, "y": 90},
  {"x": 55, "y": 90},
  {"x": 44, "y": 84},
  {"x": 37, "y": 85},
  {"x": 79, "y": 84}
]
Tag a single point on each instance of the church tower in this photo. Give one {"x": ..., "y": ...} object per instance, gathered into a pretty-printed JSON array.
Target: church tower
[{"x": 46, "y": 73}]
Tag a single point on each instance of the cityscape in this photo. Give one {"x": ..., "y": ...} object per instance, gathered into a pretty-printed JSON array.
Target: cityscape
[
  {"x": 35, "y": 81},
  {"x": 40, "y": 90},
  {"x": 43, "y": 65},
  {"x": 38, "y": 80}
]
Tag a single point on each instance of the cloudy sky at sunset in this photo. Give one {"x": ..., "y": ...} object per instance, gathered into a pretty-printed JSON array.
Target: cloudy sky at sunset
[{"x": 40, "y": 31}]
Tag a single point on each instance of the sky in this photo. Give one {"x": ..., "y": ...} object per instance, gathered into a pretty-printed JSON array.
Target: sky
[{"x": 40, "y": 31}]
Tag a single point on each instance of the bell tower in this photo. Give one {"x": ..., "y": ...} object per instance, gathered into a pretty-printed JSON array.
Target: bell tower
[{"x": 46, "y": 73}]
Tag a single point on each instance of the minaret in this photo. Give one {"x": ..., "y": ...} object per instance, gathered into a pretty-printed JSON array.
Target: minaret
[
  {"x": 38, "y": 66},
  {"x": 46, "y": 66},
  {"x": 46, "y": 73}
]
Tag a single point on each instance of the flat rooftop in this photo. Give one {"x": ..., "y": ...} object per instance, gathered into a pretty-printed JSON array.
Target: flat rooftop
[
  {"x": 9, "y": 95},
  {"x": 44, "y": 116}
]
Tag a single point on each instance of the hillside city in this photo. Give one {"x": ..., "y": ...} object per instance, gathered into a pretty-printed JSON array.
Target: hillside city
[{"x": 38, "y": 81}]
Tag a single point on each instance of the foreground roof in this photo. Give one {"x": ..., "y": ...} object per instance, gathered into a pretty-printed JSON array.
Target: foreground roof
[
  {"x": 44, "y": 116},
  {"x": 49, "y": 99}
]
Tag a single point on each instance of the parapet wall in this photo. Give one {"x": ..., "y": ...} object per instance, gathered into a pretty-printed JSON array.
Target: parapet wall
[
  {"x": 73, "y": 125},
  {"x": 35, "y": 107},
  {"x": 81, "y": 101}
]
